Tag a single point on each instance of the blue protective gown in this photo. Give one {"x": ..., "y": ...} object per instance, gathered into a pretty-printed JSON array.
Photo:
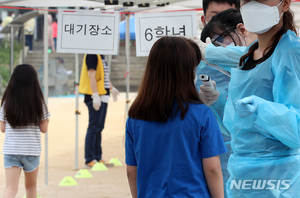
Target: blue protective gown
[
  {"x": 221, "y": 75},
  {"x": 266, "y": 143},
  {"x": 222, "y": 81}
]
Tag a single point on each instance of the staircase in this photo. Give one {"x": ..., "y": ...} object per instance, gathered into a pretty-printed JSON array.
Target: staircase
[
  {"x": 136, "y": 70},
  {"x": 118, "y": 66}
]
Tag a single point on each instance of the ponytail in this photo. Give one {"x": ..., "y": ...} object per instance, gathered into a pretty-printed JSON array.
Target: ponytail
[
  {"x": 288, "y": 21},
  {"x": 288, "y": 24}
]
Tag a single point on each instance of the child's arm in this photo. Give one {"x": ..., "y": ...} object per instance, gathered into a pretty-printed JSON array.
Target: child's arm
[
  {"x": 2, "y": 126},
  {"x": 213, "y": 174},
  {"x": 44, "y": 125},
  {"x": 131, "y": 175}
]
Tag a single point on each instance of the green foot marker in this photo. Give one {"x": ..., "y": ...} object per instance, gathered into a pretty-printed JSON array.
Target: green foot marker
[
  {"x": 99, "y": 167},
  {"x": 68, "y": 181},
  {"x": 116, "y": 162},
  {"x": 83, "y": 173}
]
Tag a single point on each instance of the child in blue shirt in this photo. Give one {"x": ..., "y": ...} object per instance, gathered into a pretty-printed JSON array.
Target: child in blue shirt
[{"x": 173, "y": 140}]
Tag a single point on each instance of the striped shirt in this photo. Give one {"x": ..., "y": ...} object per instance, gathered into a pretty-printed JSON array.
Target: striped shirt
[
  {"x": 105, "y": 98},
  {"x": 24, "y": 141},
  {"x": 106, "y": 73}
]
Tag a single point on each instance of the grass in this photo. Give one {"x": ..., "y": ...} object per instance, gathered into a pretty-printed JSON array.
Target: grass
[{"x": 5, "y": 59}]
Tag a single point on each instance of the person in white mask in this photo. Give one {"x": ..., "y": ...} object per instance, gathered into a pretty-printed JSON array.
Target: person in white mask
[
  {"x": 262, "y": 112},
  {"x": 224, "y": 29}
]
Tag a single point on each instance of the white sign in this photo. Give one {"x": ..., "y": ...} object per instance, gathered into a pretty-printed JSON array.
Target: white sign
[
  {"x": 88, "y": 31},
  {"x": 149, "y": 27}
]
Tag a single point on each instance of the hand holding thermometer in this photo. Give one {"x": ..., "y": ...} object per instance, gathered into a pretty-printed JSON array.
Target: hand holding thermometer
[
  {"x": 208, "y": 92},
  {"x": 206, "y": 80}
]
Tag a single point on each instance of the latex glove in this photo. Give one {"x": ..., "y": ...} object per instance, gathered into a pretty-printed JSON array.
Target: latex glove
[
  {"x": 208, "y": 41},
  {"x": 114, "y": 93},
  {"x": 96, "y": 101},
  {"x": 247, "y": 105},
  {"x": 202, "y": 46},
  {"x": 209, "y": 94}
]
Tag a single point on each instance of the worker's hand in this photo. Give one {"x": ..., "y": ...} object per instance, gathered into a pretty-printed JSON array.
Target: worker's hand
[
  {"x": 209, "y": 94},
  {"x": 247, "y": 105},
  {"x": 96, "y": 101},
  {"x": 114, "y": 93},
  {"x": 202, "y": 46}
]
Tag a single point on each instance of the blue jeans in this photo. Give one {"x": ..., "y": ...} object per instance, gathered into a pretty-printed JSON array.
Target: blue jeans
[
  {"x": 27, "y": 162},
  {"x": 28, "y": 41},
  {"x": 93, "y": 150},
  {"x": 55, "y": 40}
]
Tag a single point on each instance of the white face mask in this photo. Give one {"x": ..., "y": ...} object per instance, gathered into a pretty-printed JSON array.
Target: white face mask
[{"x": 260, "y": 18}]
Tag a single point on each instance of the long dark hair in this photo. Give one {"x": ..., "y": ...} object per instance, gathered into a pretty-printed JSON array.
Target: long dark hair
[
  {"x": 288, "y": 24},
  {"x": 168, "y": 80},
  {"x": 23, "y": 98}
]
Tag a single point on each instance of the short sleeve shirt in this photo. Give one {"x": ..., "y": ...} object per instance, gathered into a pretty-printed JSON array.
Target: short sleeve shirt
[
  {"x": 91, "y": 62},
  {"x": 23, "y": 141},
  {"x": 169, "y": 155}
]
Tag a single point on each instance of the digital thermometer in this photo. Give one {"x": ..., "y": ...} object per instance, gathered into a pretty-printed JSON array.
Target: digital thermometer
[{"x": 206, "y": 80}]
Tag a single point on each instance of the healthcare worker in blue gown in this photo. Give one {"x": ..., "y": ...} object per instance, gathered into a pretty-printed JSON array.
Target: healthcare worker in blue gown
[
  {"x": 263, "y": 108},
  {"x": 224, "y": 29}
]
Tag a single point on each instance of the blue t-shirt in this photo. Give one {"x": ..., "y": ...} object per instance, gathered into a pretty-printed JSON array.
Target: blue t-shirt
[{"x": 169, "y": 155}]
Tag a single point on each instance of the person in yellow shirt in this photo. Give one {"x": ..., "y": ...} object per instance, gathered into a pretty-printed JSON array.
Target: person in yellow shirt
[
  {"x": 96, "y": 87},
  {"x": 8, "y": 19},
  {"x": 29, "y": 27}
]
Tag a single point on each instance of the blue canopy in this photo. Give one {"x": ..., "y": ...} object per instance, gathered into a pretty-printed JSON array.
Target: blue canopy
[{"x": 122, "y": 28}]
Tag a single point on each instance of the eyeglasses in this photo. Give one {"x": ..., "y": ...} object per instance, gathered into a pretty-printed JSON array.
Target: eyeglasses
[{"x": 222, "y": 39}]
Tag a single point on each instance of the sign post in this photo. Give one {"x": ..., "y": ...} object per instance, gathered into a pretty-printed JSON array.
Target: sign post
[{"x": 86, "y": 32}]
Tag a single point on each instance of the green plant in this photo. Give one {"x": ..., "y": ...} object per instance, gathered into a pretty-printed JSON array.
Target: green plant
[
  {"x": 4, "y": 72},
  {"x": 5, "y": 59}
]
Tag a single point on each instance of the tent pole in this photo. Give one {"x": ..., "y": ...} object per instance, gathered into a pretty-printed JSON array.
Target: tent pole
[
  {"x": 46, "y": 86},
  {"x": 77, "y": 113},
  {"x": 23, "y": 43},
  {"x": 127, "y": 52},
  {"x": 109, "y": 58},
  {"x": 76, "y": 107},
  {"x": 12, "y": 49}
]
